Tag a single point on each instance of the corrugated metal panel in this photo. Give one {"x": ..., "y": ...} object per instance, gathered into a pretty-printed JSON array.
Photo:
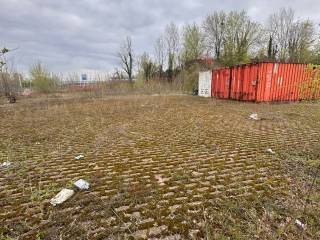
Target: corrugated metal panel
[
  {"x": 250, "y": 82},
  {"x": 205, "y": 84},
  {"x": 264, "y": 82},
  {"x": 244, "y": 82},
  {"x": 221, "y": 83},
  {"x": 280, "y": 81},
  {"x": 236, "y": 79}
]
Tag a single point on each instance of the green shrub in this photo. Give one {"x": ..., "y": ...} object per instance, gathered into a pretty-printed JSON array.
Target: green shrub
[
  {"x": 188, "y": 77},
  {"x": 42, "y": 80},
  {"x": 310, "y": 89}
]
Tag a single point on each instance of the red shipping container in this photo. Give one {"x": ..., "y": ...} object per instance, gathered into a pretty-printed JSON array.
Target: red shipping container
[{"x": 264, "y": 82}]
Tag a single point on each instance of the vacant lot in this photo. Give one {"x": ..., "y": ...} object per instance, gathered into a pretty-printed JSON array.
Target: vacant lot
[{"x": 172, "y": 167}]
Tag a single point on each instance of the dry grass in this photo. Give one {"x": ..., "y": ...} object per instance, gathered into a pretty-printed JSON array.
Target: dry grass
[{"x": 179, "y": 167}]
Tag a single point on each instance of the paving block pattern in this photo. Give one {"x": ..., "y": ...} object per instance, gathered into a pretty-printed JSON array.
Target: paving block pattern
[{"x": 154, "y": 163}]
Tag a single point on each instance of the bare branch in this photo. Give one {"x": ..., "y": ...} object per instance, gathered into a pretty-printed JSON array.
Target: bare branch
[{"x": 126, "y": 57}]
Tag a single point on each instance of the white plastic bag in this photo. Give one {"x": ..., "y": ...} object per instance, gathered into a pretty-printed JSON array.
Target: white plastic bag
[
  {"x": 79, "y": 157},
  {"x": 6, "y": 164},
  {"x": 82, "y": 184},
  {"x": 269, "y": 150},
  {"x": 254, "y": 116},
  {"x": 62, "y": 196},
  {"x": 300, "y": 224}
]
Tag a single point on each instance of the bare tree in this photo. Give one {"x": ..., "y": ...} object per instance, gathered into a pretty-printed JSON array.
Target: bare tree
[
  {"x": 126, "y": 56},
  {"x": 159, "y": 52},
  {"x": 117, "y": 74},
  {"x": 231, "y": 36},
  {"x": 281, "y": 24},
  {"x": 214, "y": 32},
  {"x": 172, "y": 40},
  {"x": 300, "y": 40},
  {"x": 292, "y": 37},
  {"x": 272, "y": 49},
  {"x": 241, "y": 35},
  {"x": 315, "y": 58},
  {"x": 147, "y": 67},
  {"x": 9, "y": 82},
  {"x": 3, "y": 62}
]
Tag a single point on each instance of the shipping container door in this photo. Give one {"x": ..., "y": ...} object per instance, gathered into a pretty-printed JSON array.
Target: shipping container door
[
  {"x": 268, "y": 82},
  {"x": 204, "y": 87},
  {"x": 215, "y": 83},
  {"x": 244, "y": 82},
  {"x": 220, "y": 83},
  {"x": 249, "y": 82},
  {"x": 278, "y": 82},
  {"x": 225, "y": 83},
  {"x": 236, "y": 76},
  {"x": 215, "y": 86}
]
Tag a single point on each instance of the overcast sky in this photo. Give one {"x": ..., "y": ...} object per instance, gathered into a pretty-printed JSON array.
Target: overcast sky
[{"x": 75, "y": 35}]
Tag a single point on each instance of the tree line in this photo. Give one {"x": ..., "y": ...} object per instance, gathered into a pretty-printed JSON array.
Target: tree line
[
  {"x": 229, "y": 38},
  {"x": 179, "y": 53}
]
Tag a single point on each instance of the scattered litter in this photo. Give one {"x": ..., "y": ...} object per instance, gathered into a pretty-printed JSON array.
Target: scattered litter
[
  {"x": 160, "y": 179},
  {"x": 300, "y": 224},
  {"x": 27, "y": 92},
  {"x": 269, "y": 150},
  {"x": 62, "y": 196},
  {"x": 288, "y": 219},
  {"x": 6, "y": 164},
  {"x": 82, "y": 184},
  {"x": 37, "y": 143},
  {"x": 254, "y": 116},
  {"x": 79, "y": 157}
]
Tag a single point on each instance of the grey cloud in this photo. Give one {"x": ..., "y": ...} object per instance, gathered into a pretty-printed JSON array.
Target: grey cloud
[{"x": 86, "y": 34}]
